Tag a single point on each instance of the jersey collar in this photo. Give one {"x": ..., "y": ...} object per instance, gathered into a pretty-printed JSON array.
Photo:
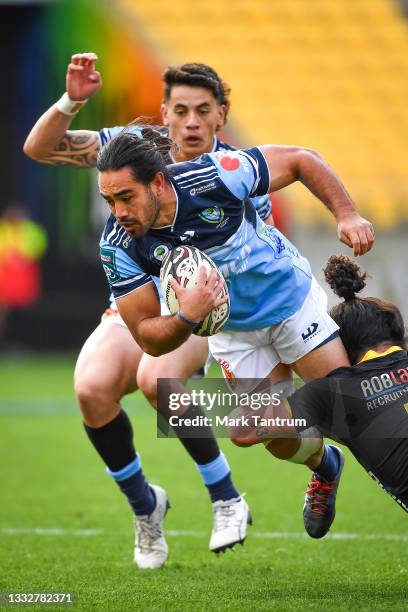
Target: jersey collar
[
  {"x": 172, "y": 224},
  {"x": 374, "y": 355},
  {"x": 215, "y": 144}
]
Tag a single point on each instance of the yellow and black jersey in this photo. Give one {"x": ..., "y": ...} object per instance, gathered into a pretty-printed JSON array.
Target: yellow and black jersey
[{"x": 365, "y": 407}]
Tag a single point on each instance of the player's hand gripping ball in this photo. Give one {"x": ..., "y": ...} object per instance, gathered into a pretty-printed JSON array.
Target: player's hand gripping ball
[{"x": 183, "y": 263}]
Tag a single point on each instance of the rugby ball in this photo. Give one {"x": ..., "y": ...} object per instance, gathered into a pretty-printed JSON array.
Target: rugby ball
[{"x": 183, "y": 263}]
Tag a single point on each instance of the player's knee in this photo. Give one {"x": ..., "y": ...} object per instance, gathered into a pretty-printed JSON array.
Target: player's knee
[
  {"x": 90, "y": 395},
  {"x": 147, "y": 384},
  {"x": 96, "y": 404}
]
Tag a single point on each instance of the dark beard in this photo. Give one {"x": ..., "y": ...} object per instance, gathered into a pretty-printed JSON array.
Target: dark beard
[{"x": 154, "y": 206}]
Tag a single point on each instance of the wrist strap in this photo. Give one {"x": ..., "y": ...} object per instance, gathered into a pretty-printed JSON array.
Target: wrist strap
[
  {"x": 188, "y": 321},
  {"x": 69, "y": 107}
]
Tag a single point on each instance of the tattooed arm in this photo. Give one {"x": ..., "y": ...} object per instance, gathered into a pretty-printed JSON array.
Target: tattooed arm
[
  {"x": 50, "y": 141},
  {"x": 78, "y": 148}
]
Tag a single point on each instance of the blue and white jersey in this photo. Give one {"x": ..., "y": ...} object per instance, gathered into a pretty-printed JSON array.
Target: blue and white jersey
[
  {"x": 262, "y": 203},
  {"x": 267, "y": 278}
]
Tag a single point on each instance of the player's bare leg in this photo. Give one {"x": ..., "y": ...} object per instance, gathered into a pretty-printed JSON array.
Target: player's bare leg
[
  {"x": 230, "y": 510},
  {"x": 316, "y": 364},
  {"x": 105, "y": 372},
  {"x": 327, "y": 463},
  {"x": 322, "y": 360},
  {"x": 181, "y": 363}
]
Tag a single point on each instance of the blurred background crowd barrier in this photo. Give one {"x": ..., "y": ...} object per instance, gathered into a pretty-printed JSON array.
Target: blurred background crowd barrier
[{"x": 327, "y": 74}]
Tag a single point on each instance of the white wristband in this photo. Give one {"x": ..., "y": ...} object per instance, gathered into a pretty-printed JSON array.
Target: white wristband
[{"x": 69, "y": 107}]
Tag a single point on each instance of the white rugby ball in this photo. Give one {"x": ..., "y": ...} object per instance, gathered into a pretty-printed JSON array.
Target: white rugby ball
[{"x": 183, "y": 263}]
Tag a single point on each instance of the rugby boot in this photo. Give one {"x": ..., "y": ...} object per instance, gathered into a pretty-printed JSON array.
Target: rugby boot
[
  {"x": 231, "y": 519},
  {"x": 319, "y": 508},
  {"x": 151, "y": 550}
]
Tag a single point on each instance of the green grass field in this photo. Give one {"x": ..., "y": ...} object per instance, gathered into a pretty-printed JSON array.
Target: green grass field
[{"x": 64, "y": 526}]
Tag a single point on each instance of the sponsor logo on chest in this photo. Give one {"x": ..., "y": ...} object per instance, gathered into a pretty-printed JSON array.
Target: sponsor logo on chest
[{"x": 388, "y": 380}]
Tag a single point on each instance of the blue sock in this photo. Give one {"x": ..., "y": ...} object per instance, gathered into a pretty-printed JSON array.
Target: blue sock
[
  {"x": 217, "y": 478},
  {"x": 132, "y": 482},
  {"x": 223, "y": 489},
  {"x": 329, "y": 465}
]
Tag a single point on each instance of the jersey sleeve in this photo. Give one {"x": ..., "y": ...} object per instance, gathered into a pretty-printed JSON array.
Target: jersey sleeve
[
  {"x": 244, "y": 172},
  {"x": 123, "y": 273},
  {"x": 106, "y": 134},
  {"x": 312, "y": 404}
]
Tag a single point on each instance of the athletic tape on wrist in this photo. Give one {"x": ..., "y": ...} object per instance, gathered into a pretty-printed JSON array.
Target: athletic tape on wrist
[{"x": 69, "y": 107}]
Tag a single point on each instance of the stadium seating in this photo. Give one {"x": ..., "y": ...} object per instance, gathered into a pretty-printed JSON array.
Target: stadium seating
[{"x": 328, "y": 75}]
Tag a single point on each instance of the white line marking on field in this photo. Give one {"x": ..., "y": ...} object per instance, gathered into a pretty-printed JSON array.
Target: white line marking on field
[
  {"x": 185, "y": 534},
  {"x": 55, "y": 531},
  {"x": 267, "y": 535},
  {"x": 282, "y": 535}
]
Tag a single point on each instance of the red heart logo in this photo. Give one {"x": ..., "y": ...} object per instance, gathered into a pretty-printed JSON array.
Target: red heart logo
[{"x": 230, "y": 163}]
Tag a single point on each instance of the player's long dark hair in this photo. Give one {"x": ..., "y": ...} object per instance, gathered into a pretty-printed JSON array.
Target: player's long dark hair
[
  {"x": 145, "y": 156},
  {"x": 363, "y": 322},
  {"x": 197, "y": 75}
]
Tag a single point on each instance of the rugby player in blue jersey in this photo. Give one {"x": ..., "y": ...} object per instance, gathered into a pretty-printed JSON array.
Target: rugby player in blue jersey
[
  {"x": 278, "y": 310},
  {"x": 111, "y": 364}
]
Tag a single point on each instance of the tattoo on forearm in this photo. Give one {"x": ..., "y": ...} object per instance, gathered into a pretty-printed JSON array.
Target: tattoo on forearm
[{"x": 76, "y": 149}]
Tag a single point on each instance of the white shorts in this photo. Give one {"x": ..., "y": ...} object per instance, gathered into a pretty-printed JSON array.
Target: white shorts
[
  {"x": 254, "y": 354},
  {"x": 112, "y": 316}
]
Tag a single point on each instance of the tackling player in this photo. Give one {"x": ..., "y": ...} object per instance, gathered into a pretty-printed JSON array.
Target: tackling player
[
  {"x": 278, "y": 310},
  {"x": 364, "y": 406},
  {"x": 111, "y": 364}
]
